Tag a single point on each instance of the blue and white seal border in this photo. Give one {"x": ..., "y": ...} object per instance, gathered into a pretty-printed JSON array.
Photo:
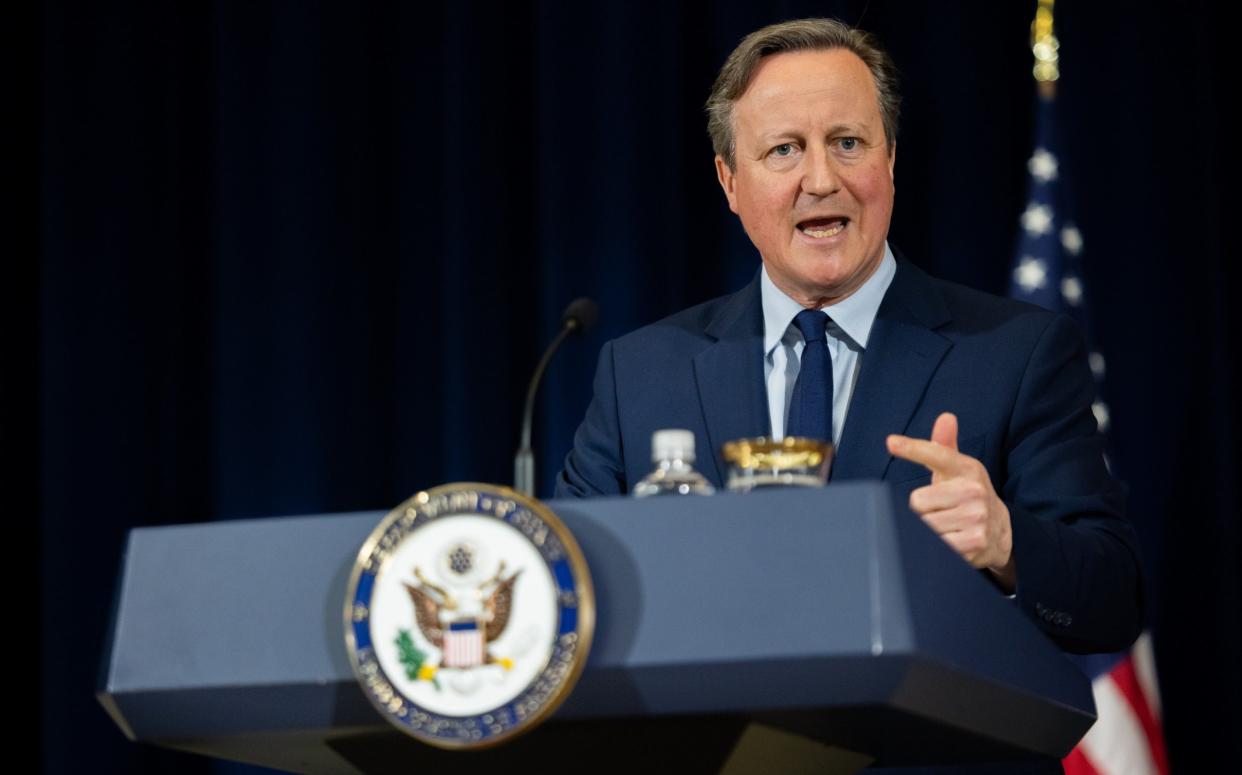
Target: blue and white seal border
[{"x": 575, "y": 609}]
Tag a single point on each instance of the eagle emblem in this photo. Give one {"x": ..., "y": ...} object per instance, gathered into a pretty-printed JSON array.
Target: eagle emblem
[{"x": 461, "y": 622}]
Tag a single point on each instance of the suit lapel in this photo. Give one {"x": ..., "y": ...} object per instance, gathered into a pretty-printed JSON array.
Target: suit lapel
[
  {"x": 729, "y": 374},
  {"x": 903, "y": 352}
]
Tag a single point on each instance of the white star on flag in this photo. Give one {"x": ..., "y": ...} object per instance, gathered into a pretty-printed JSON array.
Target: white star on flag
[
  {"x": 1097, "y": 364},
  {"x": 1037, "y": 219},
  {"x": 1101, "y": 415},
  {"x": 1031, "y": 274},
  {"x": 1042, "y": 166},
  {"x": 1071, "y": 240},
  {"x": 1071, "y": 290}
]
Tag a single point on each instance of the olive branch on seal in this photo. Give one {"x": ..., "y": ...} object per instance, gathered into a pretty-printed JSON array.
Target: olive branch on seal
[{"x": 414, "y": 660}]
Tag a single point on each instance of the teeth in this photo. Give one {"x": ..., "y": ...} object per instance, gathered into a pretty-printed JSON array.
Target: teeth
[{"x": 820, "y": 233}]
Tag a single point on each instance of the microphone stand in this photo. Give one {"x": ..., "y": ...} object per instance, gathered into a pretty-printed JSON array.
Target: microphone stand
[{"x": 578, "y": 317}]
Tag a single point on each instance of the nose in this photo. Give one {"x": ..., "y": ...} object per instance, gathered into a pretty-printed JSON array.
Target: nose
[{"x": 820, "y": 175}]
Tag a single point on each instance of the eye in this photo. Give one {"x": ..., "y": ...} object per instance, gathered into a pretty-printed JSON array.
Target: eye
[
  {"x": 850, "y": 143},
  {"x": 784, "y": 149}
]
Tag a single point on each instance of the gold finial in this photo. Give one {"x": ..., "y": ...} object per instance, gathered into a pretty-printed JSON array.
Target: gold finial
[{"x": 1044, "y": 45}]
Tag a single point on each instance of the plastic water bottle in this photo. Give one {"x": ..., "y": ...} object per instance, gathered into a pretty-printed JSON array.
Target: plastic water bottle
[{"x": 673, "y": 453}]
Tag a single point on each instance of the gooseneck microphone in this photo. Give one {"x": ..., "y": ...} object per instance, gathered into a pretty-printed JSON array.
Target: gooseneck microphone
[{"x": 579, "y": 316}]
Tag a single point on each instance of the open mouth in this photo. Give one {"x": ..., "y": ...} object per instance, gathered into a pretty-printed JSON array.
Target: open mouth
[{"x": 820, "y": 228}]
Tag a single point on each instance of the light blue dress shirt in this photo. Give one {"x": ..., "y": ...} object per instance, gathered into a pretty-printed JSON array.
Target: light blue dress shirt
[{"x": 848, "y": 330}]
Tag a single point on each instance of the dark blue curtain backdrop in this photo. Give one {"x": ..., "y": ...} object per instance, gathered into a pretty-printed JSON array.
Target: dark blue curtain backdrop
[{"x": 301, "y": 258}]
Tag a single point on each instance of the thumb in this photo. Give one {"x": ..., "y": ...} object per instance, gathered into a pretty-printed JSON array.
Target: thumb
[{"x": 944, "y": 432}]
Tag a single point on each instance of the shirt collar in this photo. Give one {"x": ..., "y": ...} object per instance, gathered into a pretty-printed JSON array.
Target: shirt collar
[{"x": 854, "y": 315}]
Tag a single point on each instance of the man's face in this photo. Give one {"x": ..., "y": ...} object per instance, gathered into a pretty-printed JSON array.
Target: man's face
[{"x": 813, "y": 178}]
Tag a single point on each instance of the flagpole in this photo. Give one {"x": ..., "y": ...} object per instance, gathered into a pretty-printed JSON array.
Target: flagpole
[{"x": 1044, "y": 46}]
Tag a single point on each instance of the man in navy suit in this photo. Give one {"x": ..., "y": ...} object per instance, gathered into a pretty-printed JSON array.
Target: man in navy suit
[{"x": 976, "y": 408}]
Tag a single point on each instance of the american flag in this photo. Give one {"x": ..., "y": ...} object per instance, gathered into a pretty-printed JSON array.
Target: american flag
[
  {"x": 1127, "y": 738},
  {"x": 463, "y": 644}
]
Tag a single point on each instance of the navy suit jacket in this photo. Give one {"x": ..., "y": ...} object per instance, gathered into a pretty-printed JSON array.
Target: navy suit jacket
[{"x": 1015, "y": 375}]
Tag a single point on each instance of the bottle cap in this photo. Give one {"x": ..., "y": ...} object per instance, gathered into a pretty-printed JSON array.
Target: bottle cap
[{"x": 672, "y": 444}]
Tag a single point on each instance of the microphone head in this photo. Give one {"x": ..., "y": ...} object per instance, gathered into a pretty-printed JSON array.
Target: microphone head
[{"x": 580, "y": 315}]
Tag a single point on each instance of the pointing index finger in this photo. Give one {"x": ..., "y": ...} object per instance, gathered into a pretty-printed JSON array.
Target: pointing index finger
[{"x": 936, "y": 458}]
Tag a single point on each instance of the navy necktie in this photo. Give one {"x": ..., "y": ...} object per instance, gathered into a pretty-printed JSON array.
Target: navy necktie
[{"x": 810, "y": 409}]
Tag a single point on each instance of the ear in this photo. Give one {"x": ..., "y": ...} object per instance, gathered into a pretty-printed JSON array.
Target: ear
[
  {"x": 727, "y": 182},
  {"x": 892, "y": 160}
]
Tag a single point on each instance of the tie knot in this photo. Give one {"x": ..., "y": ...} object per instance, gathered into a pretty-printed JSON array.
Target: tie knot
[{"x": 812, "y": 322}]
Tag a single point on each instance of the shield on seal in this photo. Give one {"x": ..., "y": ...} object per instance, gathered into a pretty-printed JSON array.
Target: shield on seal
[{"x": 463, "y": 644}]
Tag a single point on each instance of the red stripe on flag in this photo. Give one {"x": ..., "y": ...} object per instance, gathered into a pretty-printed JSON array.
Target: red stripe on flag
[
  {"x": 1077, "y": 763},
  {"x": 1126, "y": 679}
]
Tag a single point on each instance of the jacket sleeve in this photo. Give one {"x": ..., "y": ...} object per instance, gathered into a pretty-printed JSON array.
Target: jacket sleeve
[
  {"x": 1076, "y": 557},
  {"x": 595, "y": 465}
]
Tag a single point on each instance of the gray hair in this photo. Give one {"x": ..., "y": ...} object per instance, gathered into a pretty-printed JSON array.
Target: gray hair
[{"x": 798, "y": 35}]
